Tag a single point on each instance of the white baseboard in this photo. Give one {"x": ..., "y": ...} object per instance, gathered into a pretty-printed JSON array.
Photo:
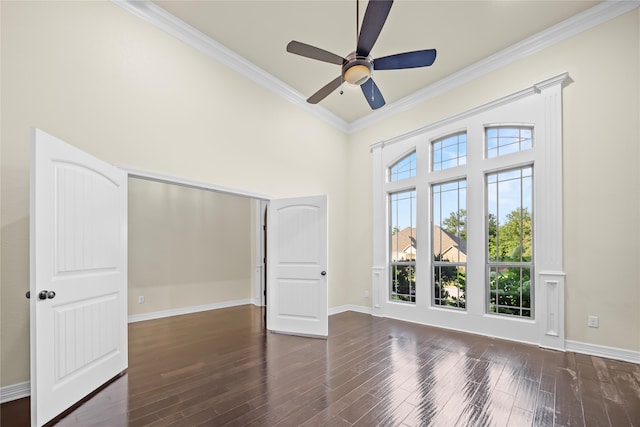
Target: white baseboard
[
  {"x": 15, "y": 391},
  {"x": 603, "y": 351},
  {"x": 350, "y": 307},
  {"x": 186, "y": 310}
]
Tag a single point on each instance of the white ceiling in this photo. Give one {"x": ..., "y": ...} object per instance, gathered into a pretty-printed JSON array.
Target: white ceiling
[{"x": 463, "y": 32}]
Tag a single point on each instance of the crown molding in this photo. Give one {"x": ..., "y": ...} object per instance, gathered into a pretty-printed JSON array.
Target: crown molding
[
  {"x": 155, "y": 15},
  {"x": 590, "y": 18},
  {"x": 165, "y": 21}
]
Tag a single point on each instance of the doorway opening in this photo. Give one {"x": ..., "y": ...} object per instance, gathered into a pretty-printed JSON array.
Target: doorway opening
[{"x": 193, "y": 247}]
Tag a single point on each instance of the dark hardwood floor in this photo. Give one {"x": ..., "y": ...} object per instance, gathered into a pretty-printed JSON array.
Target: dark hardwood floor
[{"x": 221, "y": 368}]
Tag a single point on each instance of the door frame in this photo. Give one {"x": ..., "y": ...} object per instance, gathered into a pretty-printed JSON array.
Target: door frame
[{"x": 261, "y": 202}]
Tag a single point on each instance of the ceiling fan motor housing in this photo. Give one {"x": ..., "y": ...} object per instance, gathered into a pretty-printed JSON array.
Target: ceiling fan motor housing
[{"x": 357, "y": 69}]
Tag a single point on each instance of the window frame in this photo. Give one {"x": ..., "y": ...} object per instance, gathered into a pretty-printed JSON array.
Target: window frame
[
  {"x": 457, "y": 158},
  {"x": 397, "y": 162},
  {"x": 520, "y": 127},
  {"x": 538, "y": 106},
  {"x": 489, "y": 265},
  {"x": 435, "y": 264},
  {"x": 398, "y": 263}
]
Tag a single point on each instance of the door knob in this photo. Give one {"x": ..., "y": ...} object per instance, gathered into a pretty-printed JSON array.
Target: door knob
[
  {"x": 324, "y": 273},
  {"x": 46, "y": 294}
]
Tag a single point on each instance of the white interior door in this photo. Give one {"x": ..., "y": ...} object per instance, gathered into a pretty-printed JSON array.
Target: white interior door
[
  {"x": 78, "y": 275},
  {"x": 297, "y": 266}
]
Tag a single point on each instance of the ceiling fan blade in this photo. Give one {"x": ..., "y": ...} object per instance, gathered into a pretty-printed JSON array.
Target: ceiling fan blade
[
  {"x": 325, "y": 90},
  {"x": 372, "y": 94},
  {"x": 372, "y": 23},
  {"x": 313, "y": 52},
  {"x": 418, "y": 58}
]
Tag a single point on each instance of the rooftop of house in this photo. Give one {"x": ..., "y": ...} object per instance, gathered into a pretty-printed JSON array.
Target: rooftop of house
[{"x": 405, "y": 241}]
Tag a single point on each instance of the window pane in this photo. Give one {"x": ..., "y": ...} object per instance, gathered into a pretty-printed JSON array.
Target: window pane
[
  {"x": 449, "y": 286},
  {"x": 510, "y": 291},
  {"x": 449, "y": 243},
  {"x": 404, "y": 168},
  {"x": 509, "y": 241},
  {"x": 403, "y": 246},
  {"x": 403, "y": 283},
  {"x": 506, "y": 140},
  {"x": 449, "y": 152},
  {"x": 510, "y": 200}
]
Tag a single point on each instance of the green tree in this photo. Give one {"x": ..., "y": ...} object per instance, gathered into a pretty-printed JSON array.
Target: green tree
[
  {"x": 493, "y": 235},
  {"x": 515, "y": 236},
  {"x": 510, "y": 287},
  {"x": 447, "y": 276},
  {"x": 456, "y": 224},
  {"x": 403, "y": 283}
]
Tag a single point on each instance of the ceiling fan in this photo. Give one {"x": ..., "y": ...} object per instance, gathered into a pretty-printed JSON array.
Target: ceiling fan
[{"x": 358, "y": 65}]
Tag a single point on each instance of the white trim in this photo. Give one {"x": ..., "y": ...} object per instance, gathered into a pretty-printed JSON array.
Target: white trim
[
  {"x": 185, "y": 182},
  {"x": 603, "y": 351},
  {"x": 15, "y": 391},
  {"x": 161, "y": 19},
  {"x": 260, "y": 207},
  {"x": 549, "y": 288},
  {"x": 536, "y": 88},
  {"x": 186, "y": 310},
  {"x": 257, "y": 286}
]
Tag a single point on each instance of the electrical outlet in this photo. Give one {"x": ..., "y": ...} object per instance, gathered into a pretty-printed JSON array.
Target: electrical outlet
[
  {"x": 141, "y": 299},
  {"x": 366, "y": 294},
  {"x": 593, "y": 321}
]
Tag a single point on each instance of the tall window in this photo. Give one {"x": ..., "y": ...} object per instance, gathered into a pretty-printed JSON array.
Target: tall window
[
  {"x": 509, "y": 241},
  {"x": 403, "y": 246},
  {"x": 449, "y": 243},
  {"x": 486, "y": 239}
]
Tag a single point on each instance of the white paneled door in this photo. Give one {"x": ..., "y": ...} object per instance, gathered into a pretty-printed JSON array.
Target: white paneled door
[
  {"x": 78, "y": 275},
  {"x": 297, "y": 266}
]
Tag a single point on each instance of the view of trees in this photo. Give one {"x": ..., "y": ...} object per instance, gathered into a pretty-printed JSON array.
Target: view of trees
[
  {"x": 512, "y": 241},
  {"x": 449, "y": 284},
  {"x": 509, "y": 284},
  {"x": 403, "y": 279},
  {"x": 456, "y": 222},
  {"x": 510, "y": 289}
]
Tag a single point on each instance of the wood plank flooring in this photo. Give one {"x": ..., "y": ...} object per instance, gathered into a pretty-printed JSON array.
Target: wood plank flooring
[{"x": 221, "y": 368}]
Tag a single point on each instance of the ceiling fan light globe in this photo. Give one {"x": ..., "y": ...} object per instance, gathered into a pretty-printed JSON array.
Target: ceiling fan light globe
[{"x": 357, "y": 74}]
